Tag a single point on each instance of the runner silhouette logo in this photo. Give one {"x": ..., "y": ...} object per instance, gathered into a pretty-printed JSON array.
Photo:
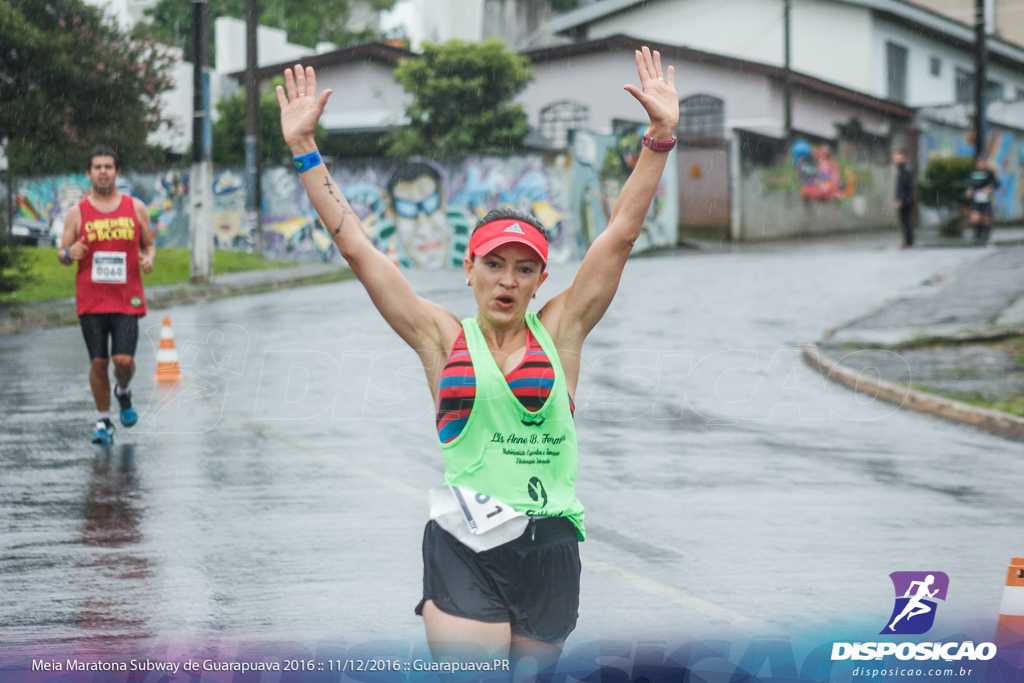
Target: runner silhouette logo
[{"x": 916, "y": 593}]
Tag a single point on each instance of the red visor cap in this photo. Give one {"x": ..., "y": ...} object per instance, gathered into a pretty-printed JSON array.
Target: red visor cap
[{"x": 496, "y": 233}]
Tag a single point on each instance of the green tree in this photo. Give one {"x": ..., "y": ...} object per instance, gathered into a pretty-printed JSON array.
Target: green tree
[
  {"x": 462, "y": 100},
  {"x": 71, "y": 79},
  {"x": 307, "y": 23},
  {"x": 229, "y": 130}
]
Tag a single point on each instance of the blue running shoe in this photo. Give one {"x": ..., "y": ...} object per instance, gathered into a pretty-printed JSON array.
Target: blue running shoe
[
  {"x": 128, "y": 415},
  {"x": 104, "y": 432}
]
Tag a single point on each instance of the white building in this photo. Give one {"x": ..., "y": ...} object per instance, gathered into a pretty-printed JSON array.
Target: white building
[{"x": 885, "y": 48}]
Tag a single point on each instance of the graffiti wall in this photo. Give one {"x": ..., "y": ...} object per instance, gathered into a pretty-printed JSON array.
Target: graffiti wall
[
  {"x": 1005, "y": 154},
  {"x": 812, "y": 187},
  {"x": 48, "y": 199},
  {"x": 601, "y": 165},
  {"x": 420, "y": 212}
]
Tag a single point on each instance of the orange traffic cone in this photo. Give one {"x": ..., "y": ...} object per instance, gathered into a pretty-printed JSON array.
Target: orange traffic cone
[
  {"x": 1010, "y": 630},
  {"x": 167, "y": 369}
]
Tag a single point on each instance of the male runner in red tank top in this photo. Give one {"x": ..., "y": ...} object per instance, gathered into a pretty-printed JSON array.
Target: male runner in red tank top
[{"x": 108, "y": 234}]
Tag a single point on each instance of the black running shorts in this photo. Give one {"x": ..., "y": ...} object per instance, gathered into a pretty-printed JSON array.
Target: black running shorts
[
  {"x": 533, "y": 582},
  {"x": 984, "y": 208},
  {"x": 122, "y": 329}
]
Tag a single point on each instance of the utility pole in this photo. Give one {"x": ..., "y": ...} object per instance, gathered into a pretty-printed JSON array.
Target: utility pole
[
  {"x": 980, "y": 79},
  {"x": 253, "y": 153},
  {"x": 787, "y": 86},
  {"x": 201, "y": 180}
]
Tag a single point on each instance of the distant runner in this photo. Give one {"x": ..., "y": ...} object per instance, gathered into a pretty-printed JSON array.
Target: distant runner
[
  {"x": 108, "y": 234},
  {"x": 981, "y": 185},
  {"x": 501, "y": 555}
]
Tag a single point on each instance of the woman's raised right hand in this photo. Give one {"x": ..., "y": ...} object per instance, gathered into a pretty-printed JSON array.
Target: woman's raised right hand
[{"x": 301, "y": 108}]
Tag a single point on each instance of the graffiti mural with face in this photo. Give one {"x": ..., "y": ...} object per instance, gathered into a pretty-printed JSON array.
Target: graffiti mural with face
[{"x": 421, "y": 227}]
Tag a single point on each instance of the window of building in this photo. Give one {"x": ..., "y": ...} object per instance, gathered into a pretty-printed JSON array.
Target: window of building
[
  {"x": 964, "y": 85},
  {"x": 556, "y": 120},
  {"x": 1020, "y": 94},
  {"x": 702, "y": 116},
  {"x": 935, "y": 66},
  {"x": 995, "y": 91},
  {"x": 896, "y": 72}
]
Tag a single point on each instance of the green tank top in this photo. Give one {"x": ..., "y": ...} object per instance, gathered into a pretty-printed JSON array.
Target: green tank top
[{"x": 526, "y": 460}]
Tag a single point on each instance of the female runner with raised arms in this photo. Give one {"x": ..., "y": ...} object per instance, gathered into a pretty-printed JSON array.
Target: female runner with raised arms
[{"x": 501, "y": 556}]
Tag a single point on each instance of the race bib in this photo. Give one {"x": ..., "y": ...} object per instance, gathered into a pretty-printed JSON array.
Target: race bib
[
  {"x": 981, "y": 196},
  {"x": 110, "y": 267},
  {"x": 477, "y": 520}
]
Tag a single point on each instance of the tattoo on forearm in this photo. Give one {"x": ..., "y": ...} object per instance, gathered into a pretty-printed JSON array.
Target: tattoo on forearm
[
  {"x": 330, "y": 190},
  {"x": 345, "y": 213}
]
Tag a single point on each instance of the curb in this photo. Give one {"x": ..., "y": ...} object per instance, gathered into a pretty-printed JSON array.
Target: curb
[
  {"x": 64, "y": 313},
  {"x": 994, "y": 421}
]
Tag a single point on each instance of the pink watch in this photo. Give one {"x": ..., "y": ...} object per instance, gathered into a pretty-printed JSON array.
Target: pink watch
[{"x": 659, "y": 145}]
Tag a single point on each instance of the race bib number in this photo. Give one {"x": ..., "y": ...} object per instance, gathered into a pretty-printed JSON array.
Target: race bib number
[
  {"x": 477, "y": 520},
  {"x": 482, "y": 512},
  {"x": 110, "y": 267},
  {"x": 981, "y": 196}
]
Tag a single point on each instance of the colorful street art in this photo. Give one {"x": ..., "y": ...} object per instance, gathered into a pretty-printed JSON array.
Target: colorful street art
[
  {"x": 420, "y": 212},
  {"x": 49, "y": 198},
  {"x": 818, "y": 173},
  {"x": 601, "y": 166},
  {"x": 1005, "y": 154}
]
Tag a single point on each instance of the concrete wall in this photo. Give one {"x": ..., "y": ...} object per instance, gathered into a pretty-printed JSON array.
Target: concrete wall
[
  {"x": 924, "y": 89},
  {"x": 834, "y": 41},
  {"x": 749, "y": 29},
  {"x": 550, "y": 187},
  {"x": 813, "y": 187},
  {"x": 598, "y": 79},
  {"x": 365, "y": 97}
]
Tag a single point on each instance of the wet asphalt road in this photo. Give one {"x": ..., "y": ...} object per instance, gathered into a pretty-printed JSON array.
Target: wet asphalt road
[{"x": 279, "y": 492}]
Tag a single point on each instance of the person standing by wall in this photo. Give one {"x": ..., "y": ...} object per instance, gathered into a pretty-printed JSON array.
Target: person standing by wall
[{"x": 905, "y": 196}]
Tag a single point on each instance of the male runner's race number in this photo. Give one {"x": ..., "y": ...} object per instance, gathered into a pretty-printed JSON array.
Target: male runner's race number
[
  {"x": 110, "y": 267},
  {"x": 482, "y": 512}
]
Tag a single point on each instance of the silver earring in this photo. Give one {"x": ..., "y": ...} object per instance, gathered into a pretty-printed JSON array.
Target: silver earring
[
  {"x": 534, "y": 295},
  {"x": 467, "y": 282}
]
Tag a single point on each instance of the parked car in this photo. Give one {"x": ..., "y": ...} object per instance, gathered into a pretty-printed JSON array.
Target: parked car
[{"x": 31, "y": 233}]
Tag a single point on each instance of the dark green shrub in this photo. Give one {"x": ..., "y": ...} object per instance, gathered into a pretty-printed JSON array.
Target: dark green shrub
[{"x": 944, "y": 186}]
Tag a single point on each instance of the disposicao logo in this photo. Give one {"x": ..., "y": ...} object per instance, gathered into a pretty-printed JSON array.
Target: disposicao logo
[
  {"x": 913, "y": 614},
  {"x": 916, "y": 593}
]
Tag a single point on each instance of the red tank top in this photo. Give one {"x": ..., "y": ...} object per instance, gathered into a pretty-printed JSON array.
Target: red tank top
[{"x": 108, "y": 279}]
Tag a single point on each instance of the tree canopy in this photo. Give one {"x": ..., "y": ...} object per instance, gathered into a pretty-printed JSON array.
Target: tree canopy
[
  {"x": 71, "y": 79},
  {"x": 306, "y": 23},
  {"x": 462, "y": 100}
]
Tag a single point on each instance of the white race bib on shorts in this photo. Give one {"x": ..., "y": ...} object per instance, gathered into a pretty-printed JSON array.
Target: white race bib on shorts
[
  {"x": 477, "y": 520},
  {"x": 110, "y": 267},
  {"x": 981, "y": 196}
]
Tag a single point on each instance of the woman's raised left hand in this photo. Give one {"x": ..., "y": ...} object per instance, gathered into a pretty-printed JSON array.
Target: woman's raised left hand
[{"x": 658, "y": 94}]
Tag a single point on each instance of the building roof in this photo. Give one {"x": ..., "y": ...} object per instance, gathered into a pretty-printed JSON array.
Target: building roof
[
  {"x": 382, "y": 53},
  {"x": 800, "y": 81},
  {"x": 915, "y": 16}
]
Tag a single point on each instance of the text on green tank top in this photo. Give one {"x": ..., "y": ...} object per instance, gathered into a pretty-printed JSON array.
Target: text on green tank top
[{"x": 524, "y": 459}]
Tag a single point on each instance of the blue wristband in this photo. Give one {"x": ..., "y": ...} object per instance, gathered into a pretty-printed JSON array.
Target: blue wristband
[{"x": 307, "y": 161}]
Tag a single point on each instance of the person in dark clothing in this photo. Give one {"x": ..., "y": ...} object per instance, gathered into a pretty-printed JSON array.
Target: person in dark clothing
[
  {"x": 981, "y": 185},
  {"x": 905, "y": 198}
]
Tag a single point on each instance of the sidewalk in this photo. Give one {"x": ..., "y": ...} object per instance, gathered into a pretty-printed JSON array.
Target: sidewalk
[
  {"x": 953, "y": 347},
  {"x": 20, "y": 317}
]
